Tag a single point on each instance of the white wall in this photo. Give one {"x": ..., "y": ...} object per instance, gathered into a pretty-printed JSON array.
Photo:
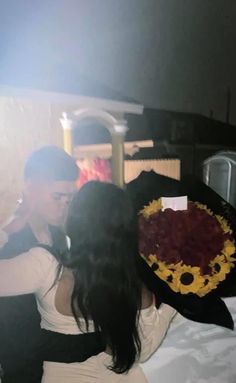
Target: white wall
[{"x": 24, "y": 126}]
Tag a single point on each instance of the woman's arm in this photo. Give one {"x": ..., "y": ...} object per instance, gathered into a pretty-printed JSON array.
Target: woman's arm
[
  {"x": 153, "y": 325},
  {"x": 26, "y": 273},
  {"x": 16, "y": 222}
]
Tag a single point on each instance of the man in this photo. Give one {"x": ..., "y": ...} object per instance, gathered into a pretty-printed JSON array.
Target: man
[{"x": 49, "y": 177}]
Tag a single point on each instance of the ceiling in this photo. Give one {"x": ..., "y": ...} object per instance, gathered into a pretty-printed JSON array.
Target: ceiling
[{"x": 169, "y": 54}]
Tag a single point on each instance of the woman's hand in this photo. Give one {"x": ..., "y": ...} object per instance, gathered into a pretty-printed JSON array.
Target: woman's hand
[{"x": 20, "y": 218}]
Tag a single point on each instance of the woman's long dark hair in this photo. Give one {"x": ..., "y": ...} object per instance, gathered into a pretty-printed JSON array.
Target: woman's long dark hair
[{"x": 102, "y": 228}]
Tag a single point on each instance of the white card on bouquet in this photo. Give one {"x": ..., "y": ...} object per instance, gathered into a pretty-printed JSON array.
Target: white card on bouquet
[{"x": 174, "y": 203}]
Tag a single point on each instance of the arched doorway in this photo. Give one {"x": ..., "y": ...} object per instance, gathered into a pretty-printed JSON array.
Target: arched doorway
[{"x": 116, "y": 127}]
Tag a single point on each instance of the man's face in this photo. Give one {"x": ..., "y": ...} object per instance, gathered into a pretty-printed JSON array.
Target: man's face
[{"x": 50, "y": 199}]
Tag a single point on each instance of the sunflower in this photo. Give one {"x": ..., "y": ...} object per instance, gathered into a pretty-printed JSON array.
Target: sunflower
[
  {"x": 152, "y": 208},
  {"x": 229, "y": 250},
  {"x": 188, "y": 279},
  {"x": 220, "y": 267},
  {"x": 156, "y": 265},
  {"x": 224, "y": 224},
  {"x": 201, "y": 206},
  {"x": 167, "y": 274},
  {"x": 162, "y": 270},
  {"x": 210, "y": 283},
  {"x": 153, "y": 262},
  {"x": 151, "y": 259}
]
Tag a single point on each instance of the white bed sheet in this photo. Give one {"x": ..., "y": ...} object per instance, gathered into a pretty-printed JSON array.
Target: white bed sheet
[{"x": 195, "y": 353}]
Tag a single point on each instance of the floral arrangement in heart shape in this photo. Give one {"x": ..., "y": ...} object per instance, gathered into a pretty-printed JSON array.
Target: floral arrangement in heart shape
[{"x": 191, "y": 250}]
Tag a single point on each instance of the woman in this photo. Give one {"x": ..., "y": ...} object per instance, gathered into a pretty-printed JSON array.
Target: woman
[{"x": 95, "y": 288}]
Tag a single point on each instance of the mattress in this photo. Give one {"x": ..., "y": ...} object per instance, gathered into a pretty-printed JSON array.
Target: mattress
[{"x": 195, "y": 353}]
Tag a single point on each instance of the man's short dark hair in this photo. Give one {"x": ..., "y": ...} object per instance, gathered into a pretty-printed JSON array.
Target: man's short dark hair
[{"x": 51, "y": 163}]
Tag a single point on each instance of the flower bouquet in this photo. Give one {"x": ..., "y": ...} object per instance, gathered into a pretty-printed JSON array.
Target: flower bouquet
[
  {"x": 187, "y": 257},
  {"x": 191, "y": 250}
]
